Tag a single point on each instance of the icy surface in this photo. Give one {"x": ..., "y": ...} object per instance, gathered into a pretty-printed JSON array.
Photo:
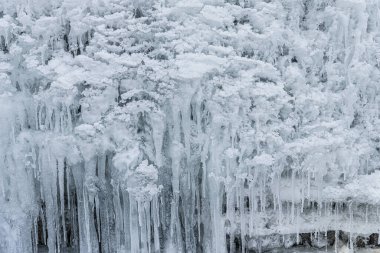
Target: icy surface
[{"x": 189, "y": 126}]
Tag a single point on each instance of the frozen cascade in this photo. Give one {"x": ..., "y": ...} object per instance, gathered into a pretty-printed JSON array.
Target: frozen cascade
[{"x": 188, "y": 126}]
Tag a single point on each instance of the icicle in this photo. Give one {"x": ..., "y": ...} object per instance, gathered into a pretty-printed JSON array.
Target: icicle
[
  {"x": 198, "y": 198},
  {"x": 61, "y": 122},
  {"x": 302, "y": 192},
  {"x": 48, "y": 119},
  {"x": 13, "y": 134},
  {"x": 261, "y": 196},
  {"x": 158, "y": 137},
  {"x": 97, "y": 210},
  {"x": 298, "y": 225},
  {"x": 185, "y": 112},
  {"x": 35, "y": 234},
  {"x": 126, "y": 221},
  {"x": 293, "y": 201},
  {"x": 135, "y": 242},
  {"x": 279, "y": 200},
  {"x": 251, "y": 209},
  {"x": 44, "y": 237},
  {"x": 156, "y": 224},
  {"x": 57, "y": 117},
  {"x": 204, "y": 166},
  {"x": 162, "y": 211},
  {"x": 87, "y": 221},
  {"x": 68, "y": 187},
  {"x": 143, "y": 227},
  {"x": 50, "y": 177},
  {"x": 198, "y": 114},
  {"x": 60, "y": 165},
  {"x": 242, "y": 216},
  {"x": 308, "y": 186},
  {"x": 148, "y": 225},
  {"x": 40, "y": 118},
  {"x": 176, "y": 151},
  {"x": 78, "y": 176},
  {"x": 37, "y": 116},
  {"x": 118, "y": 212},
  {"x": 264, "y": 193},
  {"x": 69, "y": 120}
]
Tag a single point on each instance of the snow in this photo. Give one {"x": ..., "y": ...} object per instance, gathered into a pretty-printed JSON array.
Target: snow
[
  {"x": 263, "y": 159},
  {"x": 85, "y": 131},
  {"x": 141, "y": 183},
  {"x": 354, "y": 191},
  {"x": 4, "y": 67},
  {"x": 46, "y": 27},
  {"x": 216, "y": 16},
  {"x": 195, "y": 66},
  {"x": 190, "y": 7}
]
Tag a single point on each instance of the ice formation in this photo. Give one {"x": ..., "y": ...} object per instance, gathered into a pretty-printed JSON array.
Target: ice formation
[{"x": 188, "y": 126}]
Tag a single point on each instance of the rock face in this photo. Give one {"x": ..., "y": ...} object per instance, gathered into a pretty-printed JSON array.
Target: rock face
[{"x": 188, "y": 126}]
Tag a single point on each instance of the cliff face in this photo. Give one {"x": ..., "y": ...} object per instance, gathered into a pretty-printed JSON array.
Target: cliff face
[{"x": 187, "y": 126}]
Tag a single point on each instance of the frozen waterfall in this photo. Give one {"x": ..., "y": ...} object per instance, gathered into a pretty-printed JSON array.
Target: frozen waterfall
[{"x": 189, "y": 126}]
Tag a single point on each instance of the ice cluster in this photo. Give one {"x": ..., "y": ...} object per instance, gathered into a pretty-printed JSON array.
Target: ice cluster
[{"x": 188, "y": 126}]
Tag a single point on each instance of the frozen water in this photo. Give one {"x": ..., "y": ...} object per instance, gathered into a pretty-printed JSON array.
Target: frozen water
[{"x": 189, "y": 126}]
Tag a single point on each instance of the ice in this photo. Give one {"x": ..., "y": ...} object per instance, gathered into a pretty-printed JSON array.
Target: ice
[{"x": 189, "y": 126}]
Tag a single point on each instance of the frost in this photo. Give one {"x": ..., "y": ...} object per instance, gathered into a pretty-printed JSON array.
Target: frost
[
  {"x": 263, "y": 159},
  {"x": 141, "y": 182},
  {"x": 189, "y": 126},
  {"x": 190, "y": 7},
  {"x": 195, "y": 66},
  {"x": 216, "y": 16}
]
